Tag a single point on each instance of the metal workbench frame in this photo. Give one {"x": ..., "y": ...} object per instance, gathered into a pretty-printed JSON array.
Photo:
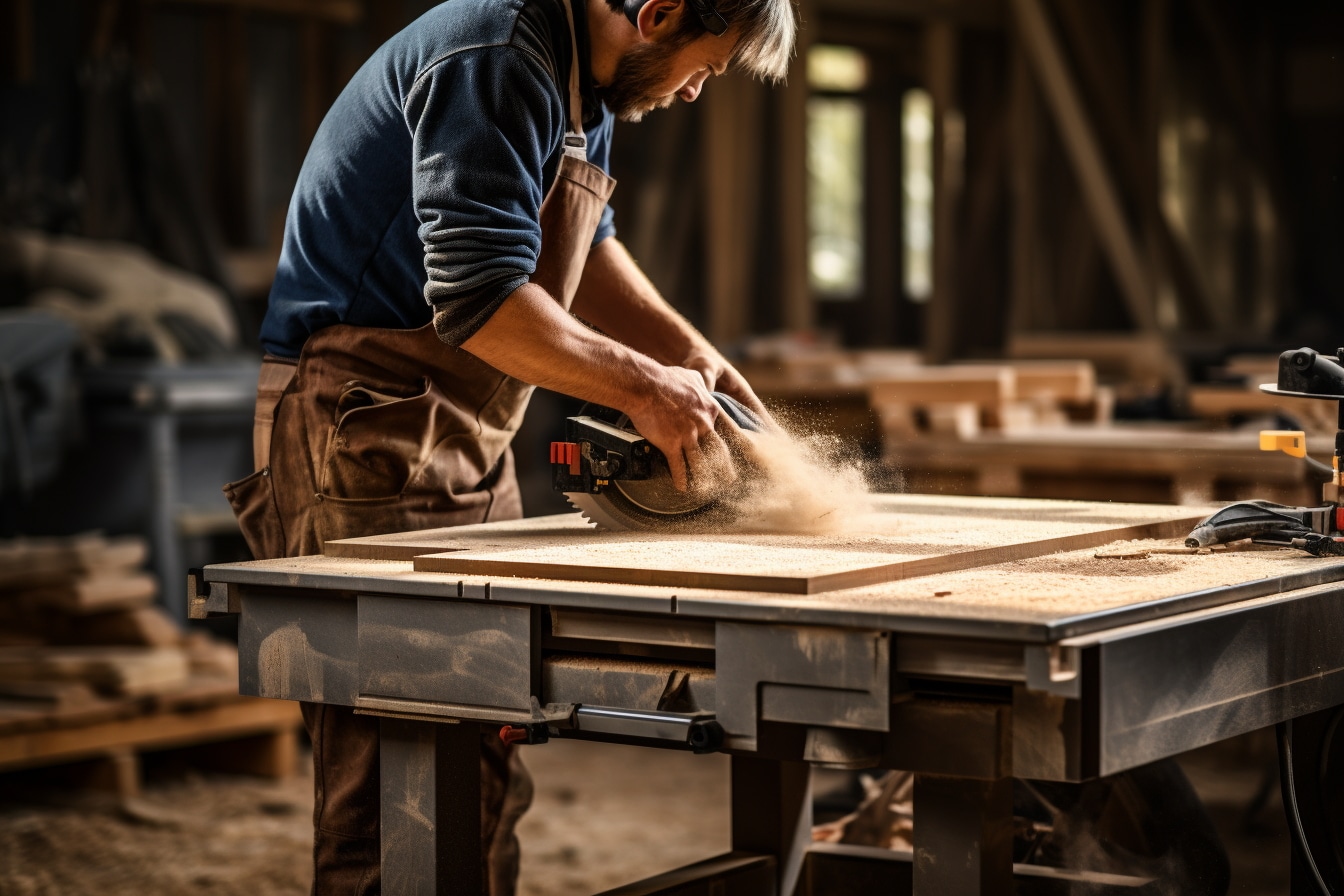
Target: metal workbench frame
[{"x": 966, "y": 704}]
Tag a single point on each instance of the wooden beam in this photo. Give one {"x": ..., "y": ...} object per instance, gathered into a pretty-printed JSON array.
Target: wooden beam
[
  {"x": 337, "y": 12},
  {"x": 1024, "y": 294},
  {"x": 661, "y": 225},
  {"x": 19, "y": 57},
  {"x": 949, "y": 142},
  {"x": 1084, "y": 151},
  {"x": 731, "y": 143},
  {"x": 981, "y": 292},
  {"x": 799, "y": 313},
  {"x": 1230, "y": 63}
]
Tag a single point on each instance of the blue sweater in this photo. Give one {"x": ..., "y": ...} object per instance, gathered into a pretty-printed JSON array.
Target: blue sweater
[{"x": 422, "y": 189}]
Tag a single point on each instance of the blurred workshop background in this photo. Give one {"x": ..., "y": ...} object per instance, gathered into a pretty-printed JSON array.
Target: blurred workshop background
[{"x": 1041, "y": 248}]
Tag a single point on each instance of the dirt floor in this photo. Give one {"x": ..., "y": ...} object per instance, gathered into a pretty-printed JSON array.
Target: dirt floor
[{"x": 604, "y": 815}]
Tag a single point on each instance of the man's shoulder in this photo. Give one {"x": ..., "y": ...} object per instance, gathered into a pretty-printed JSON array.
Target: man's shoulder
[{"x": 458, "y": 25}]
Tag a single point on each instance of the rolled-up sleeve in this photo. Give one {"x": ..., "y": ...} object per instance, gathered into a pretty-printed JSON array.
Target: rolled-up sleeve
[{"x": 483, "y": 122}]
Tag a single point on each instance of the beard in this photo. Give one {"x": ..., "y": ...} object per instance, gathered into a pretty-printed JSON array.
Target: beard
[{"x": 639, "y": 74}]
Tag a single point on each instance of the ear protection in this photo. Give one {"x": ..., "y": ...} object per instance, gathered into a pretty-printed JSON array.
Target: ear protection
[{"x": 709, "y": 17}]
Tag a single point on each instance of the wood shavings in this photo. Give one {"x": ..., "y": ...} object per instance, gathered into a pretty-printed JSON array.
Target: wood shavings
[{"x": 1145, "y": 553}]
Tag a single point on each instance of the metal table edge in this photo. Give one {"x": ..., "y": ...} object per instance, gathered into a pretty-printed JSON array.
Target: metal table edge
[
  {"x": 684, "y": 602},
  {"x": 1168, "y": 607}
]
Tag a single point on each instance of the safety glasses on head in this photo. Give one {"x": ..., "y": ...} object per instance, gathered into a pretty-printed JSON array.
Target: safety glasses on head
[{"x": 709, "y": 17}]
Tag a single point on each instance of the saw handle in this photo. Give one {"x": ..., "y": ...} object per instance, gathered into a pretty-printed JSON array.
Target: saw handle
[{"x": 743, "y": 416}]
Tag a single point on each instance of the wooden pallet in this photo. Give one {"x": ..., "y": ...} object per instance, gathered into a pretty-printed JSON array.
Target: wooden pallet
[{"x": 102, "y": 742}]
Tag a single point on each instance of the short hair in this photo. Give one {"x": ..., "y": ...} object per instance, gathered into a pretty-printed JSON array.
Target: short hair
[{"x": 766, "y": 30}]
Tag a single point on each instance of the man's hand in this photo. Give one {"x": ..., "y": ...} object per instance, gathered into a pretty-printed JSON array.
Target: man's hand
[
  {"x": 720, "y": 376},
  {"x": 678, "y": 418}
]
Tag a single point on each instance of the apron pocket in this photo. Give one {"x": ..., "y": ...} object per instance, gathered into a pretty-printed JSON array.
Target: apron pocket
[
  {"x": 253, "y": 502},
  {"x": 336, "y": 518},
  {"x": 380, "y": 441}
]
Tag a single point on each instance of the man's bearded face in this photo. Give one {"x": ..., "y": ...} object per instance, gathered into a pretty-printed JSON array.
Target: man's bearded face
[{"x": 640, "y": 84}]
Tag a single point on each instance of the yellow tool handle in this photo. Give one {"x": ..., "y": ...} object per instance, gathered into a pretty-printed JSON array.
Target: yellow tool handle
[{"x": 1289, "y": 441}]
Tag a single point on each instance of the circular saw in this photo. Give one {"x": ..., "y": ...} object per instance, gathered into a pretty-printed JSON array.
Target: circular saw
[{"x": 618, "y": 480}]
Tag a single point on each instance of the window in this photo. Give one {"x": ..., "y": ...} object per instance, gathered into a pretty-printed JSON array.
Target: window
[
  {"x": 917, "y": 193},
  {"x": 837, "y": 76}
]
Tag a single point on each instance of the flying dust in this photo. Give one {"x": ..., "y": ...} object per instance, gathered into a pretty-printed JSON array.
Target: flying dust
[{"x": 798, "y": 481}]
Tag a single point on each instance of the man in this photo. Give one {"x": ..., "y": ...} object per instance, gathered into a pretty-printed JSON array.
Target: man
[{"x": 448, "y": 247}]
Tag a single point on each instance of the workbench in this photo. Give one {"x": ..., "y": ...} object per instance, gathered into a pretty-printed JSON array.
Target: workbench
[{"x": 980, "y": 640}]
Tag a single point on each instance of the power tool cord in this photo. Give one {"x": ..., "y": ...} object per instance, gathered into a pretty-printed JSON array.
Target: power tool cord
[{"x": 1299, "y": 834}]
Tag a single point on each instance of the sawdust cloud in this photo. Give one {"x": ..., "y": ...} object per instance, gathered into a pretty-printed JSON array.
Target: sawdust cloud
[{"x": 800, "y": 481}]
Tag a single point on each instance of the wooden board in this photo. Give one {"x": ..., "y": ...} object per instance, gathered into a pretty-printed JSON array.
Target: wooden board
[
  {"x": 900, "y": 537},
  {"x": 33, "y": 562},
  {"x": 108, "y": 670},
  {"x": 983, "y": 385},
  {"x": 223, "y": 715},
  {"x": 409, "y": 545}
]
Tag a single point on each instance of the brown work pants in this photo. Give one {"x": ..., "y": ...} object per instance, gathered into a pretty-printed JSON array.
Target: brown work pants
[
  {"x": 346, "y": 844},
  {"x": 346, "y": 809}
]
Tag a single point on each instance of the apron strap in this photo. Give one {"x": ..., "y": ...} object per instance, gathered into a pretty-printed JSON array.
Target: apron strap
[{"x": 576, "y": 143}]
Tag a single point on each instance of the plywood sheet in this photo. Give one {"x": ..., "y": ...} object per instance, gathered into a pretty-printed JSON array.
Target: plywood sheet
[
  {"x": 1039, "y": 599},
  {"x": 899, "y": 538},
  {"x": 409, "y": 545}
]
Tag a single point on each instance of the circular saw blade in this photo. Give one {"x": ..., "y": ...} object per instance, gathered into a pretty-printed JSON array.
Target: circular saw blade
[
  {"x": 614, "y": 510},
  {"x": 655, "y": 503}
]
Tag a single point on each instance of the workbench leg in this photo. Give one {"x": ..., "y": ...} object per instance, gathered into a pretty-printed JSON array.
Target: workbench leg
[
  {"x": 963, "y": 836},
  {"x": 431, "y": 808},
  {"x": 772, "y": 814}
]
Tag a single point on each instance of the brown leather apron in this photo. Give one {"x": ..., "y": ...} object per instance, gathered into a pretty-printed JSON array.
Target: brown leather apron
[
  {"x": 375, "y": 431},
  {"x": 391, "y": 430}
]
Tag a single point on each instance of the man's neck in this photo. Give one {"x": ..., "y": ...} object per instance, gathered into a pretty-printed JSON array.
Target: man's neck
[{"x": 609, "y": 36}]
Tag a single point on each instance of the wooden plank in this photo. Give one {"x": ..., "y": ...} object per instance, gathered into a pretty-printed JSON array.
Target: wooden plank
[
  {"x": 1221, "y": 402},
  {"x": 981, "y": 384},
  {"x": 409, "y": 545},
  {"x": 949, "y": 144},
  {"x": 234, "y": 718},
  {"x": 141, "y": 627},
  {"x": 880, "y": 546},
  {"x": 110, "y": 670},
  {"x": 337, "y": 12},
  {"x": 1063, "y": 380},
  {"x": 1139, "y": 359},
  {"x": 27, "y": 562},
  {"x": 98, "y": 593},
  {"x": 54, "y": 694}
]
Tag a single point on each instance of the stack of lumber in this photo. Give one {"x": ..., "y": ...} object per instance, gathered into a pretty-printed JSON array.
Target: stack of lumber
[
  {"x": 1237, "y": 398},
  {"x": 78, "y": 617},
  {"x": 1135, "y": 365},
  {"x": 824, "y": 390},
  {"x": 93, "y": 671},
  {"x": 962, "y": 400},
  {"x": 822, "y": 371}
]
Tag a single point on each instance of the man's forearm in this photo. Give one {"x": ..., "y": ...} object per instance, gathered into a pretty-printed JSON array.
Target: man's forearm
[
  {"x": 616, "y": 297},
  {"x": 530, "y": 337},
  {"x": 619, "y": 300}
]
